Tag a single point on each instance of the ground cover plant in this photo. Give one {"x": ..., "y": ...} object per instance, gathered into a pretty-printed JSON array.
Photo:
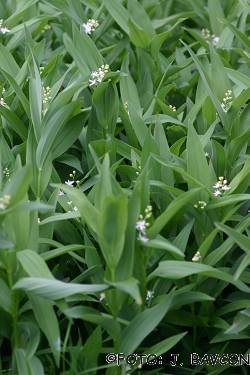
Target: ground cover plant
[{"x": 124, "y": 187}]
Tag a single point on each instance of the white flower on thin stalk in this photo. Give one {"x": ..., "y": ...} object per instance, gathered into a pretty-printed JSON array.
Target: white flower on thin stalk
[
  {"x": 142, "y": 238},
  {"x": 69, "y": 183},
  {"x": 217, "y": 192},
  {"x": 2, "y": 102},
  {"x": 141, "y": 226},
  {"x": 102, "y": 296},
  {"x": 150, "y": 294},
  {"x": 4, "y": 30},
  {"x": 215, "y": 41}
]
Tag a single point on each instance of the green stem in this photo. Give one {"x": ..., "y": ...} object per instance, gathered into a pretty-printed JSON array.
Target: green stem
[
  {"x": 194, "y": 326},
  {"x": 14, "y": 302},
  {"x": 39, "y": 184}
]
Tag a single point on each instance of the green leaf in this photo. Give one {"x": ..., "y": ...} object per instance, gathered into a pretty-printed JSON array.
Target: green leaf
[
  {"x": 159, "y": 39},
  {"x": 141, "y": 326},
  {"x": 197, "y": 165},
  {"x": 55, "y": 289},
  {"x": 172, "y": 209},
  {"x": 113, "y": 223},
  {"x": 51, "y": 131},
  {"x": 89, "y": 213},
  {"x": 118, "y": 13},
  {"x": 91, "y": 315},
  {"x": 241, "y": 321},
  {"x": 105, "y": 97},
  {"x": 47, "y": 321},
  {"x": 5, "y": 297},
  {"x": 8, "y": 63},
  {"x": 137, "y": 35},
  {"x": 129, "y": 286},
  {"x": 34, "y": 265},
  {"x": 175, "y": 270},
  {"x": 14, "y": 122}
]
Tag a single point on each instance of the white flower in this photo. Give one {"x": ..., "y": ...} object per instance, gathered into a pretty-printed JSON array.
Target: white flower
[
  {"x": 69, "y": 183},
  {"x": 150, "y": 294},
  {"x": 223, "y": 108},
  {"x": 215, "y": 41},
  {"x": 88, "y": 28},
  {"x": 102, "y": 296},
  {"x": 217, "y": 192},
  {"x": 4, "y": 30},
  {"x": 207, "y": 154},
  {"x": 196, "y": 257},
  {"x": 141, "y": 226},
  {"x": 225, "y": 187},
  {"x": 2, "y": 102},
  {"x": 142, "y": 238},
  {"x": 61, "y": 193},
  {"x": 92, "y": 82},
  {"x": 217, "y": 185},
  {"x": 75, "y": 208}
]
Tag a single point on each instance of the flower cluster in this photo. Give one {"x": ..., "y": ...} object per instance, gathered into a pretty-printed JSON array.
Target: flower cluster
[
  {"x": 201, "y": 205},
  {"x": 90, "y": 26},
  {"x": 226, "y": 101},
  {"x": 220, "y": 186},
  {"x": 71, "y": 182},
  {"x": 4, "y": 202},
  {"x": 142, "y": 224},
  {"x": 6, "y": 172},
  {"x": 2, "y": 102},
  {"x": 173, "y": 108},
  {"x": 210, "y": 38},
  {"x": 46, "y": 94},
  {"x": 196, "y": 257},
  {"x": 3, "y": 30},
  {"x": 97, "y": 77},
  {"x": 74, "y": 208}
]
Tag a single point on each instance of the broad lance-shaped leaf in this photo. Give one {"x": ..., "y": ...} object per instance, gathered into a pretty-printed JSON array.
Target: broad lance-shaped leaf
[
  {"x": 157, "y": 40},
  {"x": 241, "y": 321},
  {"x": 51, "y": 131},
  {"x": 138, "y": 36},
  {"x": 88, "y": 212},
  {"x": 91, "y": 315},
  {"x": 113, "y": 223},
  {"x": 141, "y": 326},
  {"x": 197, "y": 165},
  {"x": 172, "y": 209},
  {"x": 47, "y": 321},
  {"x": 177, "y": 270},
  {"x": 55, "y": 289},
  {"x": 129, "y": 286},
  {"x": 104, "y": 98}
]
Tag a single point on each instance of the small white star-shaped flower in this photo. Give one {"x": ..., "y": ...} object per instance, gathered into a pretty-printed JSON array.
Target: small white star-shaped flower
[
  {"x": 88, "y": 28},
  {"x": 69, "y": 183},
  {"x": 142, "y": 238},
  {"x": 217, "y": 192},
  {"x": 4, "y": 30},
  {"x": 141, "y": 226}
]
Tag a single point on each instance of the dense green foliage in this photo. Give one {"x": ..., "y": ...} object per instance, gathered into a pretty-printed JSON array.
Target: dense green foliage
[{"x": 124, "y": 185}]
